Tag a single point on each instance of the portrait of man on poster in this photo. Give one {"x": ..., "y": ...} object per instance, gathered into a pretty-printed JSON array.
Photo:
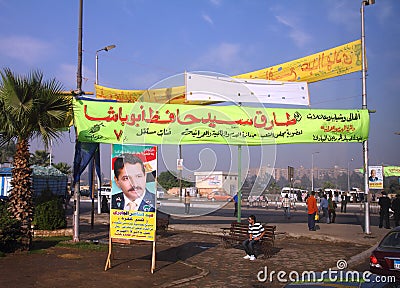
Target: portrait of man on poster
[{"x": 130, "y": 178}]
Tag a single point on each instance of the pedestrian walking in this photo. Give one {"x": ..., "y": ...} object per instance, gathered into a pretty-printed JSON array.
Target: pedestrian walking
[
  {"x": 323, "y": 206},
  {"x": 286, "y": 206},
  {"x": 311, "y": 211},
  {"x": 384, "y": 204},
  {"x": 343, "y": 203},
  {"x": 331, "y": 209},
  {"x": 235, "y": 200},
  {"x": 187, "y": 202},
  {"x": 396, "y": 209}
]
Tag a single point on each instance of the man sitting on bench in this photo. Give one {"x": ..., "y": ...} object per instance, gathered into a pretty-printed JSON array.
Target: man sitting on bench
[{"x": 256, "y": 232}]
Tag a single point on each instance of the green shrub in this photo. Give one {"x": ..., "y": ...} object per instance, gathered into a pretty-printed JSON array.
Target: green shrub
[
  {"x": 44, "y": 196},
  {"x": 10, "y": 230},
  {"x": 50, "y": 215}
]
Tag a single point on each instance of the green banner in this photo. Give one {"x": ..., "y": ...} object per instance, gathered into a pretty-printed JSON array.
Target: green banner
[
  {"x": 153, "y": 123},
  {"x": 391, "y": 171}
]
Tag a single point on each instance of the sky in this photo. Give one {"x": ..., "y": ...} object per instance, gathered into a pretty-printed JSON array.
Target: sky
[{"x": 158, "y": 39}]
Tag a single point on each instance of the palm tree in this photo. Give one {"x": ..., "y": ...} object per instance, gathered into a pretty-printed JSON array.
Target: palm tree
[
  {"x": 40, "y": 158},
  {"x": 31, "y": 108},
  {"x": 7, "y": 152},
  {"x": 63, "y": 168}
]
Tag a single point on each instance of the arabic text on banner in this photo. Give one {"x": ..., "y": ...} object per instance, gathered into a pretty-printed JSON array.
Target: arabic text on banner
[
  {"x": 136, "y": 225},
  {"x": 391, "y": 171},
  {"x": 152, "y": 123},
  {"x": 327, "y": 64},
  {"x": 330, "y": 63}
]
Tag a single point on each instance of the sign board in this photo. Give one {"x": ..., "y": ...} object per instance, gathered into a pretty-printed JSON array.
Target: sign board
[
  {"x": 227, "y": 89},
  {"x": 375, "y": 178},
  {"x": 133, "y": 196}
]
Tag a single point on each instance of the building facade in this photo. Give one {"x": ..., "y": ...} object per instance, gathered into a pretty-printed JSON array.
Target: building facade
[{"x": 208, "y": 182}]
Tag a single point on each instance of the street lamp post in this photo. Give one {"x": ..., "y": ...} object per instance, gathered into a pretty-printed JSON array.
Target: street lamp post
[
  {"x": 312, "y": 170},
  {"x": 107, "y": 48},
  {"x": 348, "y": 175},
  {"x": 75, "y": 217},
  {"x": 364, "y": 106}
]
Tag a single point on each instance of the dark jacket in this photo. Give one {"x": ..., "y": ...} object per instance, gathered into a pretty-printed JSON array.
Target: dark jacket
[
  {"x": 148, "y": 203},
  {"x": 384, "y": 202},
  {"x": 396, "y": 204}
]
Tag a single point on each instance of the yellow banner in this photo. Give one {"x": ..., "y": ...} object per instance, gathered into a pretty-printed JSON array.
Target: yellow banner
[
  {"x": 330, "y": 63},
  {"x": 153, "y": 123},
  {"x": 173, "y": 95},
  {"x": 132, "y": 225}
]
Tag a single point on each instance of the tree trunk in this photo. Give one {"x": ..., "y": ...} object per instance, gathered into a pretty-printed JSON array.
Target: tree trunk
[{"x": 21, "y": 196}]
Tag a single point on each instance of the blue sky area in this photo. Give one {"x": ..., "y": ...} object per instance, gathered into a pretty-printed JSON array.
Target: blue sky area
[{"x": 158, "y": 39}]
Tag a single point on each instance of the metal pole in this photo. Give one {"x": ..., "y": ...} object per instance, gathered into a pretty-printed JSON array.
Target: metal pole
[
  {"x": 97, "y": 67},
  {"x": 348, "y": 176},
  {"x": 364, "y": 106},
  {"x": 99, "y": 197},
  {"x": 93, "y": 192},
  {"x": 239, "y": 212},
  {"x": 180, "y": 174},
  {"x": 75, "y": 221}
]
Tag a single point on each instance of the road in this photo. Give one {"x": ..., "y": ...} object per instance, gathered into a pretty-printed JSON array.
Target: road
[{"x": 202, "y": 210}]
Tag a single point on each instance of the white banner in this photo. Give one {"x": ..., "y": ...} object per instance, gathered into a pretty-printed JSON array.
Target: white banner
[{"x": 216, "y": 88}]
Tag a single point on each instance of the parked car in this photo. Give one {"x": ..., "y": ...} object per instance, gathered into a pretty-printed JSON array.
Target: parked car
[
  {"x": 385, "y": 259},
  {"x": 219, "y": 196},
  {"x": 85, "y": 192}
]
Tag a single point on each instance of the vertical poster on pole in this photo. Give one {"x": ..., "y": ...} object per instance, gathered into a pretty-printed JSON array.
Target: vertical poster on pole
[
  {"x": 133, "y": 195},
  {"x": 375, "y": 179}
]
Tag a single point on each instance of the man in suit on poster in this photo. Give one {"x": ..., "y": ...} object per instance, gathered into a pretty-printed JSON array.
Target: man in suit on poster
[{"x": 130, "y": 177}]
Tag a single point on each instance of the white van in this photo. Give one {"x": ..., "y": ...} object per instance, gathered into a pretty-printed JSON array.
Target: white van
[{"x": 291, "y": 192}]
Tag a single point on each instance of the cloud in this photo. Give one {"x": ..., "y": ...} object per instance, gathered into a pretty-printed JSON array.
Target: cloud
[
  {"x": 340, "y": 13},
  {"x": 207, "y": 19},
  {"x": 299, "y": 36},
  {"x": 66, "y": 74},
  {"x": 224, "y": 56},
  {"x": 25, "y": 49},
  {"x": 216, "y": 2},
  {"x": 384, "y": 12}
]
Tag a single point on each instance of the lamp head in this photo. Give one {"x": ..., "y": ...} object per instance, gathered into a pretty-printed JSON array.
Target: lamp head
[{"x": 109, "y": 47}]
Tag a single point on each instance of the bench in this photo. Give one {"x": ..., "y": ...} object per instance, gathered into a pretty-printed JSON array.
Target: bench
[{"x": 238, "y": 232}]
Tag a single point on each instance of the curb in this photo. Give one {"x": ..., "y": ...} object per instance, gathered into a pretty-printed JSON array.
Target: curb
[{"x": 203, "y": 273}]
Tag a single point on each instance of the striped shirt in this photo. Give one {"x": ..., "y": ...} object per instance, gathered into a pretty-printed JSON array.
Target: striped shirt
[{"x": 255, "y": 230}]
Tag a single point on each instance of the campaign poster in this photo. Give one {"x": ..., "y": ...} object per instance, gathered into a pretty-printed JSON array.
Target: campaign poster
[
  {"x": 375, "y": 177},
  {"x": 133, "y": 194}
]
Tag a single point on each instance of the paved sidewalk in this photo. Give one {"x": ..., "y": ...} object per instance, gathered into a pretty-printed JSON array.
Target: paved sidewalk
[{"x": 201, "y": 257}]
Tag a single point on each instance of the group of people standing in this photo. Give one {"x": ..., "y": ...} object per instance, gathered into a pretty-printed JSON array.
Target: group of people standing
[
  {"x": 326, "y": 206},
  {"x": 385, "y": 203}
]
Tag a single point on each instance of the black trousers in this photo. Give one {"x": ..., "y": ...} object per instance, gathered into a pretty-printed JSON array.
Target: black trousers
[{"x": 384, "y": 216}]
